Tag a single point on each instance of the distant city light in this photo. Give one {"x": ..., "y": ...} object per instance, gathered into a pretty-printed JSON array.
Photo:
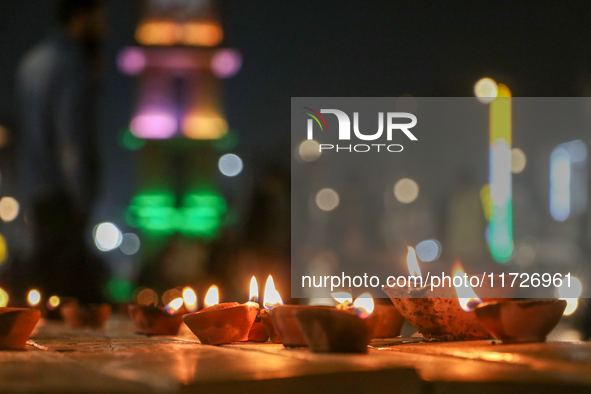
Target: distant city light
[
  {"x": 153, "y": 125},
  {"x": 327, "y": 199},
  {"x": 309, "y": 150},
  {"x": 9, "y": 209},
  {"x": 226, "y": 63},
  {"x": 107, "y": 236},
  {"x": 485, "y": 90},
  {"x": 518, "y": 160},
  {"x": 406, "y": 190},
  {"x": 500, "y": 229},
  {"x": 130, "y": 244},
  {"x": 131, "y": 61},
  {"x": 568, "y": 180},
  {"x": 230, "y": 164},
  {"x": 428, "y": 250}
]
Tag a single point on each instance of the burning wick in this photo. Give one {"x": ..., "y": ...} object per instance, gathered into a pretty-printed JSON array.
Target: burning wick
[
  {"x": 466, "y": 296},
  {"x": 412, "y": 263},
  {"x": 33, "y": 298},
  {"x": 212, "y": 297},
  {"x": 173, "y": 306},
  {"x": 190, "y": 299},
  {"x": 253, "y": 296},
  {"x": 272, "y": 297},
  {"x": 53, "y": 302},
  {"x": 362, "y": 307}
]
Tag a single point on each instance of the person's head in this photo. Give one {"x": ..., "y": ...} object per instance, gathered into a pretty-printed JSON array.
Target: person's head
[{"x": 83, "y": 19}]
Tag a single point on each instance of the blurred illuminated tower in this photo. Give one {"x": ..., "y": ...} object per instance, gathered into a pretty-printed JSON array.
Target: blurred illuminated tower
[{"x": 178, "y": 123}]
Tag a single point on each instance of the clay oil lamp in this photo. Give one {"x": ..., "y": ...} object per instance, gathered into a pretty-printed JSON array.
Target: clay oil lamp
[
  {"x": 92, "y": 315},
  {"x": 345, "y": 329},
  {"x": 520, "y": 321},
  {"x": 16, "y": 325},
  {"x": 441, "y": 313},
  {"x": 272, "y": 300},
  {"x": 221, "y": 323},
  {"x": 258, "y": 332},
  {"x": 154, "y": 320}
]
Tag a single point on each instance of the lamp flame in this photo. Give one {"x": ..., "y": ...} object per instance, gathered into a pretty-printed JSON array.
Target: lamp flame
[
  {"x": 272, "y": 297},
  {"x": 3, "y": 298},
  {"x": 212, "y": 297},
  {"x": 342, "y": 297},
  {"x": 174, "y": 305},
  {"x": 364, "y": 305},
  {"x": 466, "y": 296},
  {"x": 190, "y": 299},
  {"x": 53, "y": 302},
  {"x": 34, "y": 297},
  {"x": 254, "y": 290},
  {"x": 412, "y": 263}
]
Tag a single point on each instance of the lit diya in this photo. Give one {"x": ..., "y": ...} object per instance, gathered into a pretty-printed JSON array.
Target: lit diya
[
  {"x": 441, "y": 313},
  {"x": 271, "y": 301},
  {"x": 93, "y": 315},
  {"x": 520, "y": 321},
  {"x": 258, "y": 332},
  {"x": 154, "y": 320},
  {"x": 221, "y": 323},
  {"x": 346, "y": 329},
  {"x": 16, "y": 325}
]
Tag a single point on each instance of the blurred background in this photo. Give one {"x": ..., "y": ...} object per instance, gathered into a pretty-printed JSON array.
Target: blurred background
[{"x": 192, "y": 104}]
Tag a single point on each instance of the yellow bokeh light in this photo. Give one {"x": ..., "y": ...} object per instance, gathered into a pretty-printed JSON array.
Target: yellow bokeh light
[
  {"x": 518, "y": 160},
  {"x": 147, "y": 297},
  {"x": 9, "y": 209},
  {"x": 202, "y": 34},
  {"x": 3, "y": 298},
  {"x": 406, "y": 190},
  {"x": 485, "y": 90},
  {"x": 53, "y": 302},
  {"x": 34, "y": 297},
  {"x": 309, "y": 150},
  {"x": 3, "y": 249},
  {"x": 158, "y": 32},
  {"x": 204, "y": 127},
  {"x": 327, "y": 199}
]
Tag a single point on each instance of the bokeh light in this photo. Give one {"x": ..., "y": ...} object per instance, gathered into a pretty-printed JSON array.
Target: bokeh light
[
  {"x": 158, "y": 32},
  {"x": 107, "y": 236},
  {"x": 153, "y": 125},
  {"x": 3, "y": 249},
  {"x": 53, "y": 302},
  {"x": 131, "y": 61},
  {"x": 327, "y": 199},
  {"x": 147, "y": 297},
  {"x": 571, "y": 294},
  {"x": 230, "y": 164},
  {"x": 428, "y": 250},
  {"x": 9, "y": 209},
  {"x": 3, "y": 298},
  {"x": 33, "y": 297},
  {"x": 226, "y": 63},
  {"x": 204, "y": 127},
  {"x": 130, "y": 244},
  {"x": 171, "y": 295},
  {"x": 518, "y": 160},
  {"x": 485, "y": 90},
  {"x": 202, "y": 33},
  {"x": 309, "y": 150},
  {"x": 406, "y": 190}
]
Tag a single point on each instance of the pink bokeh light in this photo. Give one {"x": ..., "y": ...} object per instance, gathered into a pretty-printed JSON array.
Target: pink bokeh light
[
  {"x": 154, "y": 125},
  {"x": 131, "y": 61},
  {"x": 226, "y": 63}
]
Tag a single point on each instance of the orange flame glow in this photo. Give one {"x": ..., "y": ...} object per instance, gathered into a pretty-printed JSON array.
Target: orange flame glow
[
  {"x": 412, "y": 263},
  {"x": 466, "y": 296},
  {"x": 254, "y": 290},
  {"x": 190, "y": 299},
  {"x": 272, "y": 297},
  {"x": 173, "y": 306},
  {"x": 34, "y": 297},
  {"x": 342, "y": 297},
  {"x": 364, "y": 305},
  {"x": 212, "y": 297}
]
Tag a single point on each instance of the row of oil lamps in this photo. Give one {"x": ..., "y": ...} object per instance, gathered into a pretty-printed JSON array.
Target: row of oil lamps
[{"x": 441, "y": 313}]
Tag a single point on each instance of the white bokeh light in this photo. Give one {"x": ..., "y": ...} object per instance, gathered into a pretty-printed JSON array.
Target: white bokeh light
[
  {"x": 486, "y": 90},
  {"x": 230, "y": 164},
  {"x": 428, "y": 250},
  {"x": 406, "y": 190},
  {"x": 327, "y": 199},
  {"x": 107, "y": 236},
  {"x": 130, "y": 244}
]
